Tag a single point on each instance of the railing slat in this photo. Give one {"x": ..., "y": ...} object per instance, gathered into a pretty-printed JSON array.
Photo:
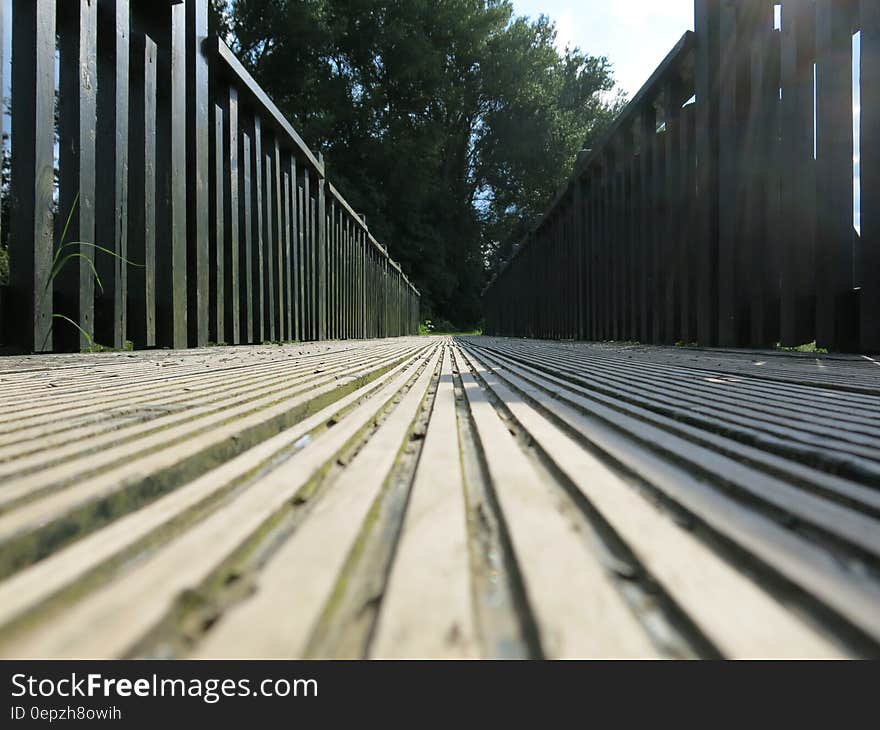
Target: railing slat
[
  {"x": 249, "y": 327},
  {"x": 798, "y": 189},
  {"x": 32, "y": 230},
  {"x": 142, "y": 192},
  {"x": 198, "y": 109},
  {"x": 870, "y": 175},
  {"x": 77, "y": 120},
  {"x": 261, "y": 328},
  {"x": 217, "y": 275},
  {"x": 834, "y": 176},
  {"x": 231, "y": 223}
]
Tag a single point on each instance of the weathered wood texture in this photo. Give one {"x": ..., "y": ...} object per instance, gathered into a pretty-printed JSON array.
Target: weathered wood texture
[
  {"x": 737, "y": 225},
  {"x": 424, "y": 497},
  {"x": 183, "y": 208}
]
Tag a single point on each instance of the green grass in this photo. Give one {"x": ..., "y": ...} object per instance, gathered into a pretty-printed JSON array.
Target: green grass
[
  {"x": 97, "y": 347},
  {"x": 4, "y": 266},
  {"x": 809, "y": 348},
  {"x": 473, "y": 333}
]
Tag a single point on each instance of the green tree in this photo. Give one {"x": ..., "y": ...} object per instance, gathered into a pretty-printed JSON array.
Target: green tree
[{"x": 450, "y": 123}]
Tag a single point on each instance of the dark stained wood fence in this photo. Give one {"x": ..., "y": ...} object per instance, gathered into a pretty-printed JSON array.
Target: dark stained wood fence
[
  {"x": 719, "y": 207},
  {"x": 222, "y": 222}
]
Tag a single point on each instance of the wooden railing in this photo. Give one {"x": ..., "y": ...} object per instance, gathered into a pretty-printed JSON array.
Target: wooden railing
[
  {"x": 719, "y": 208},
  {"x": 215, "y": 222}
]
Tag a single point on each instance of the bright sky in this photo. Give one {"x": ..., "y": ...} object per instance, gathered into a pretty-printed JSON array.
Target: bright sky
[{"x": 635, "y": 35}]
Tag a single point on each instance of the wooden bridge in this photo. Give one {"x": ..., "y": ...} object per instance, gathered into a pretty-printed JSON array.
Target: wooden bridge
[{"x": 323, "y": 483}]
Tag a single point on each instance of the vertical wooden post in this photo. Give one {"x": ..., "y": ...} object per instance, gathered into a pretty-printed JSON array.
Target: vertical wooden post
[
  {"x": 287, "y": 271},
  {"x": 322, "y": 257},
  {"x": 31, "y": 234},
  {"x": 231, "y": 220},
  {"x": 261, "y": 326},
  {"x": 672, "y": 271},
  {"x": 300, "y": 276},
  {"x": 648, "y": 131},
  {"x": 580, "y": 243},
  {"x": 634, "y": 244},
  {"x": 142, "y": 189},
  {"x": 687, "y": 256},
  {"x": 217, "y": 279},
  {"x": 762, "y": 179},
  {"x": 363, "y": 280},
  {"x": 659, "y": 195},
  {"x": 171, "y": 273},
  {"x": 197, "y": 169},
  {"x": 835, "y": 315},
  {"x": 308, "y": 288},
  {"x": 733, "y": 110},
  {"x": 870, "y": 176},
  {"x": 296, "y": 225},
  {"x": 798, "y": 191},
  {"x": 269, "y": 249},
  {"x": 707, "y": 67},
  {"x": 112, "y": 183},
  {"x": 247, "y": 227},
  {"x": 277, "y": 221},
  {"x": 78, "y": 81}
]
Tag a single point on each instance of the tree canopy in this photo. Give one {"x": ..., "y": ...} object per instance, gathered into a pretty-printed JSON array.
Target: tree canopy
[{"x": 450, "y": 123}]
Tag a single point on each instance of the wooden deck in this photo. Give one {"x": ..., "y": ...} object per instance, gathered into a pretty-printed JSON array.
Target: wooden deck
[{"x": 423, "y": 497}]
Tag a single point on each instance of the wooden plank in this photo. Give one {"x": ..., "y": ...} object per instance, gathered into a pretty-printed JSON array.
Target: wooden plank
[
  {"x": 648, "y": 131},
  {"x": 78, "y": 83},
  {"x": 231, "y": 220},
  {"x": 299, "y": 581},
  {"x": 696, "y": 577},
  {"x": 218, "y": 242},
  {"x": 687, "y": 255},
  {"x": 261, "y": 325},
  {"x": 301, "y": 287},
  {"x": 171, "y": 254},
  {"x": 578, "y": 610},
  {"x": 30, "y": 589},
  {"x": 656, "y": 242},
  {"x": 31, "y": 236},
  {"x": 870, "y": 176},
  {"x": 671, "y": 270},
  {"x": 730, "y": 113},
  {"x": 793, "y": 554},
  {"x": 142, "y": 188},
  {"x": 296, "y": 227},
  {"x": 269, "y": 250},
  {"x": 308, "y": 257},
  {"x": 226, "y": 530},
  {"x": 835, "y": 298},
  {"x": 279, "y": 235},
  {"x": 760, "y": 184},
  {"x": 580, "y": 234},
  {"x": 798, "y": 193},
  {"x": 249, "y": 328},
  {"x": 51, "y": 516},
  {"x": 287, "y": 271},
  {"x": 321, "y": 235},
  {"x": 429, "y": 612},
  {"x": 707, "y": 77},
  {"x": 111, "y": 211},
  {"x": 198, "y": 108}
]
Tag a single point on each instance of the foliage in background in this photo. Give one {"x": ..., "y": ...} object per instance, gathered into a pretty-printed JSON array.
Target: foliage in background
[{"x": 450, "y": 123}]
